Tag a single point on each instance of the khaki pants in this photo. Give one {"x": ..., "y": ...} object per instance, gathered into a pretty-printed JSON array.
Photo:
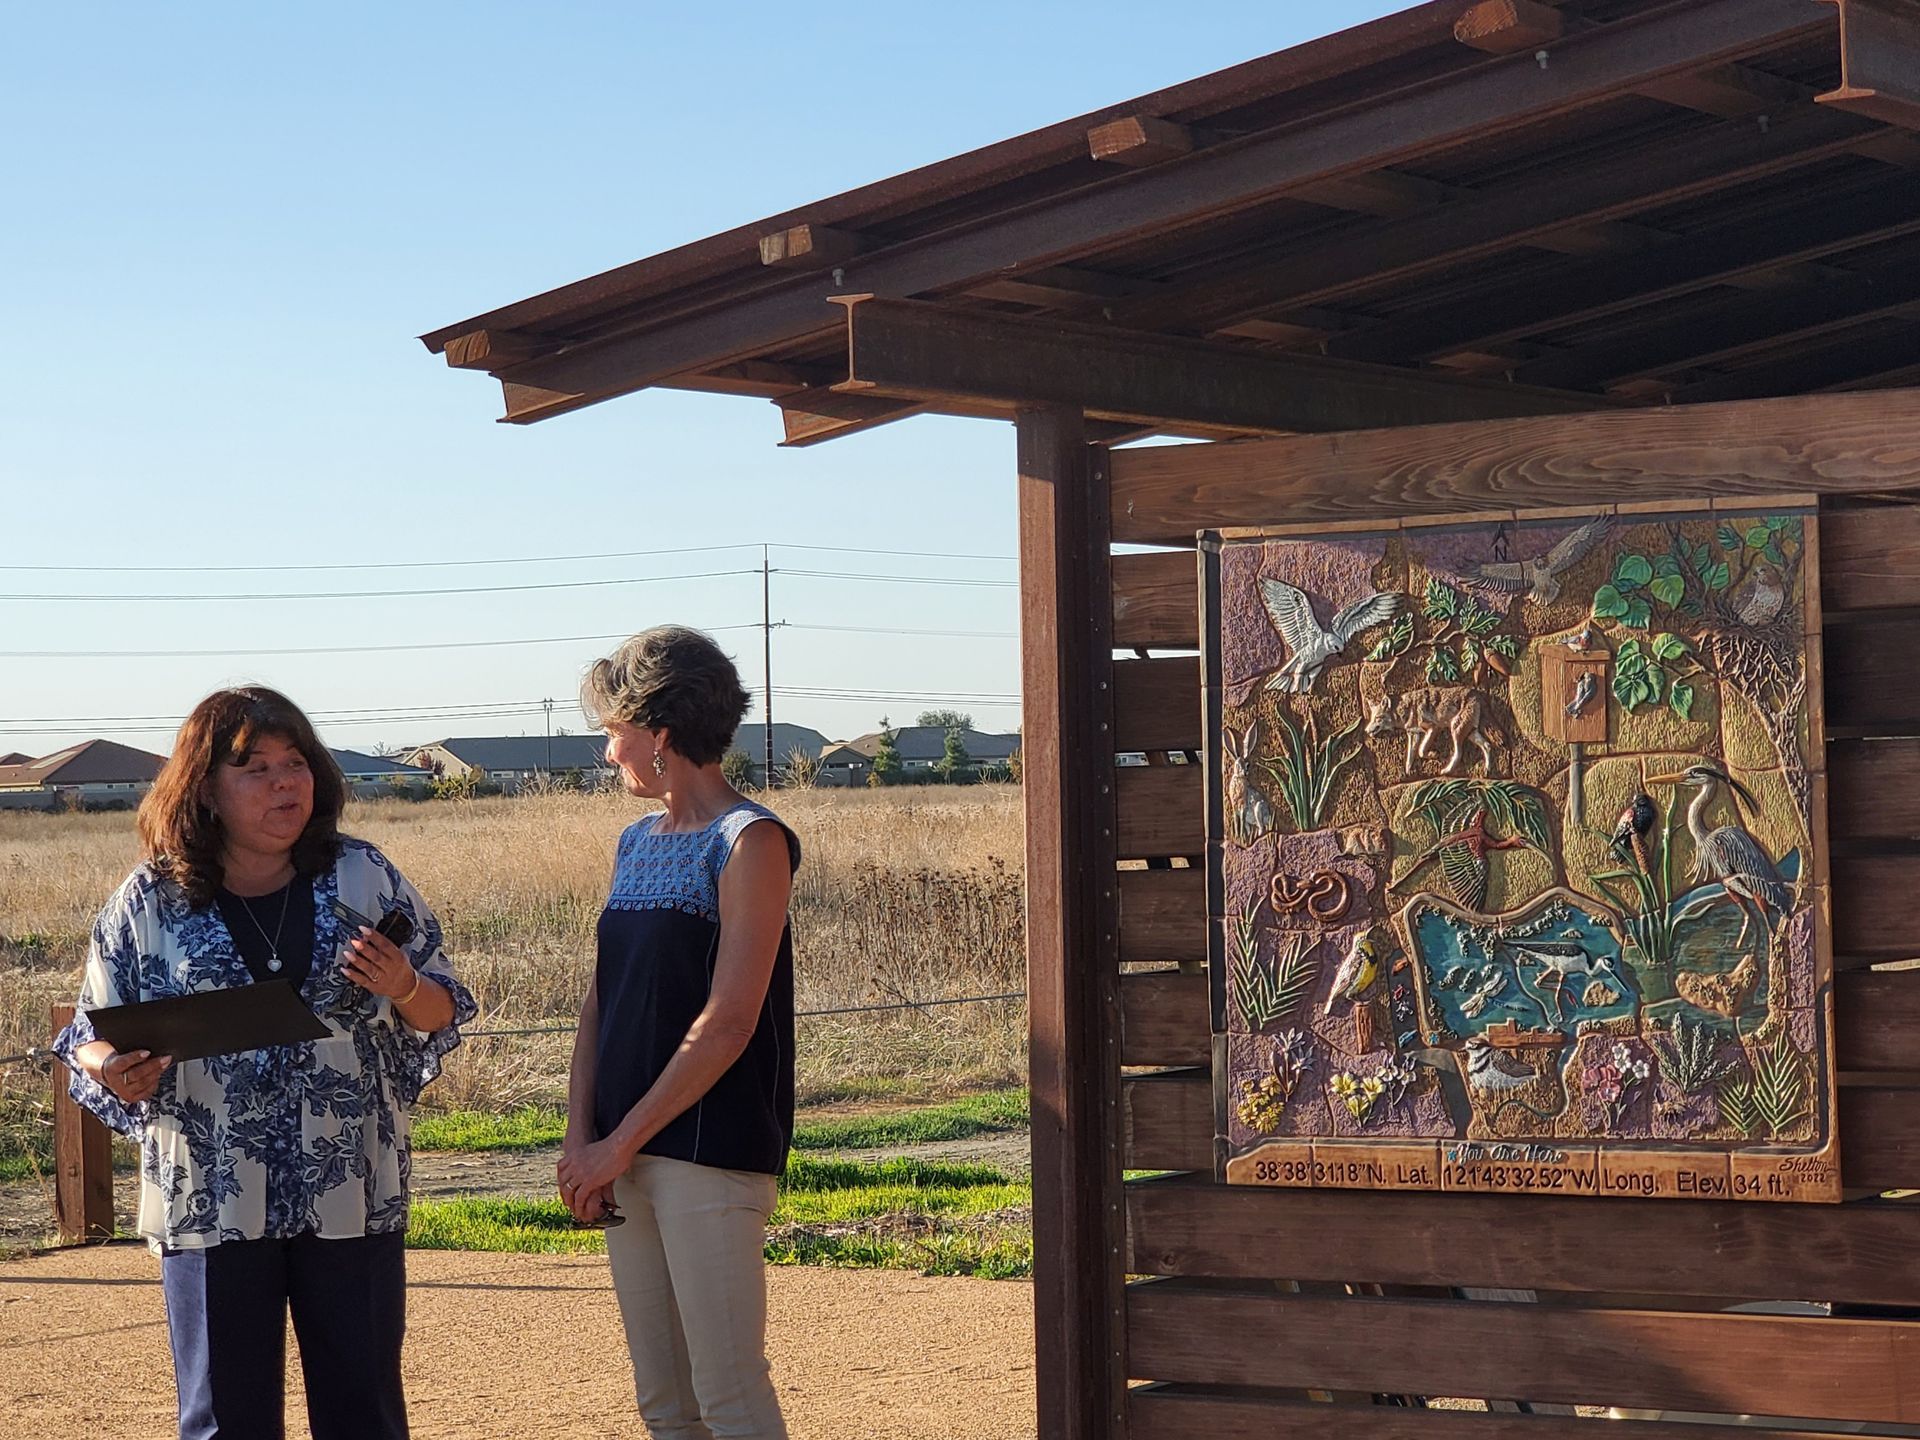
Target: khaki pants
[{"x": 690, "y": 1271}]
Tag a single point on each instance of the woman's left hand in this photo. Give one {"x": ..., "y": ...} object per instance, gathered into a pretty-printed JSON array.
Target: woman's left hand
[
  {"x": 375, "y": 963},
  {"x": 593, "y": 1166}
]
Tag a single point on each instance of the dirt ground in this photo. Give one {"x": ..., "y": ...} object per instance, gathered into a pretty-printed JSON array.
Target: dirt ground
[{"x": 526, "y": 1345}]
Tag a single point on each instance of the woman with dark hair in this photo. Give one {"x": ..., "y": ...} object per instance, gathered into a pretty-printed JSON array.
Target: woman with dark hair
[
  {"x": 682, "y": 1092},
  {"x": 272, "y": 1180}
]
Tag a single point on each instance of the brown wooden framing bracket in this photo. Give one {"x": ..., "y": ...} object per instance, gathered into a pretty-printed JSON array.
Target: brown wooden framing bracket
[{"x": 1879, "y": 61}]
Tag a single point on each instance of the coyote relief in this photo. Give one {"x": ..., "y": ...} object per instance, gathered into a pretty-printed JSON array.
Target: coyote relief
[{"x": 1424, "y": 714}]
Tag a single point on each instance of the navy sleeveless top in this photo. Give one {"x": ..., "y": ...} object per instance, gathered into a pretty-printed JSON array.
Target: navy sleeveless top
[{"x": 658, "y": 938}]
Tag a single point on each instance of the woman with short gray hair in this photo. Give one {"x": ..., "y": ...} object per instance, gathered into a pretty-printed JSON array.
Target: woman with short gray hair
[{"x": 681, "y": 1101}]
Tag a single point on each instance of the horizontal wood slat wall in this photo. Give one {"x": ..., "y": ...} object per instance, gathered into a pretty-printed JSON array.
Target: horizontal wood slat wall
[
  {"x": 1691, "y": 1254},
  {"x": 1856, "y": 444},
  {"x": 1755, "y": 1364},
  {"x": 1702, "y": 1249},
  {"x": 1168, "y": 1125},
  {"x": 1175, "y": 1412}
]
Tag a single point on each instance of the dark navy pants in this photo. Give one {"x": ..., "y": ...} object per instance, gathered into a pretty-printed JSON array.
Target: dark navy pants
[{"x": 227, "y": 1312}]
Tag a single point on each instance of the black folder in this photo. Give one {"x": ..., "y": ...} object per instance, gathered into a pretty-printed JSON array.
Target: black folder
[{"x": 211, "y": 1022}]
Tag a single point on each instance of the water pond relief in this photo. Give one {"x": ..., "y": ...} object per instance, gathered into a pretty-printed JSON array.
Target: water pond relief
[{"x": 1517, "y": 854}]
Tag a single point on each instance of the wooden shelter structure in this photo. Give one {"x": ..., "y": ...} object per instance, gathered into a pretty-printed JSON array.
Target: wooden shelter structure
[{"x": 1509, "y": 254}]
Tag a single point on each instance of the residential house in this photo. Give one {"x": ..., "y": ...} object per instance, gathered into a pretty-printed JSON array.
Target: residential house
[
  {"x": 921, "y": 747},
  {"x": 95, "y": 774},
  {"x": 751, "y": 741},
  {"x": 372, "y": 775},
  {"x": 510, "y": 761}
]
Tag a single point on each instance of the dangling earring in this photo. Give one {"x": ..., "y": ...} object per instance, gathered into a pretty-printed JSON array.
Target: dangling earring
[{"x": 659, "y": 762}]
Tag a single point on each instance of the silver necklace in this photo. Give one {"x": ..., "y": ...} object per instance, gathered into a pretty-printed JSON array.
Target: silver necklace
[{"x": 273, "y": 943}]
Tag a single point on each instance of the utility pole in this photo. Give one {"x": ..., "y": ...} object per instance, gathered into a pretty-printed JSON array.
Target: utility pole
[
  {"x": 547, "y": 706},
  {"x": 766, "y": 636}
]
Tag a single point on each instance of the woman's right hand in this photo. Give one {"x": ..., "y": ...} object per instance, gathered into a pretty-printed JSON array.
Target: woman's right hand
[{"x": 135, "y": 1075}]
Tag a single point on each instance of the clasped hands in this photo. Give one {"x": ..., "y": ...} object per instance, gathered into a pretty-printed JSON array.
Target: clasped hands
[{"x": 586, "y": 1174}]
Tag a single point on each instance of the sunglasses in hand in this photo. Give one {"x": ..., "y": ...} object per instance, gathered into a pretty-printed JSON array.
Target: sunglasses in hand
[
  {"x": 395, "y": 924},
  {"x": 605, "y": 1220}
]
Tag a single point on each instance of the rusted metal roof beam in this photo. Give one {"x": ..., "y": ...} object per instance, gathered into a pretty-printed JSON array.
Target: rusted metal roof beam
[
  {"x": 1485, "y": 100},
  {"x": 1376, "y": 42},
  {"x": 1879, "y": 61},
  {"x": 1689, "y": 263},
  {"x": 916, "y": 351}
]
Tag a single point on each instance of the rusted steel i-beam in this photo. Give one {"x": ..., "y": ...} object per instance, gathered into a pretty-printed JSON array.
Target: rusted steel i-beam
[
  {"x": 915, "y": 350},
  {"x": 1879, "y": 61}
]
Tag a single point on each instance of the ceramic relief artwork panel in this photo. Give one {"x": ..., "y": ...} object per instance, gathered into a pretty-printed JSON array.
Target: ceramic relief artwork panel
[{"x": 1517, "y": 854}]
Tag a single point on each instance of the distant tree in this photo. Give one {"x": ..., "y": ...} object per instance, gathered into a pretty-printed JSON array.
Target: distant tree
[
  {"x": 887, "y": 764},
  {"x": 954, "y": 766},
  {"x": 386, "y": 750},
  {"x": 737, "y": 766},
  {"x": 945, "y": 719}
]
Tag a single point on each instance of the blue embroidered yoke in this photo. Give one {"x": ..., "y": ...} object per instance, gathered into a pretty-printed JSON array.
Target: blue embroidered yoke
[
  {"x": 283, "y": 1141},
  {"x": 658, "y": 938}
]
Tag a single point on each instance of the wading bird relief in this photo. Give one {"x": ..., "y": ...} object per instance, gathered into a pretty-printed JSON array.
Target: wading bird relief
[{"x": 1517, "y": 854}]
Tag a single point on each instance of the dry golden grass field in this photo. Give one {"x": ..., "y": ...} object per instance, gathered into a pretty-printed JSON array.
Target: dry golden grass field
[{"x": 905, "y": 894}]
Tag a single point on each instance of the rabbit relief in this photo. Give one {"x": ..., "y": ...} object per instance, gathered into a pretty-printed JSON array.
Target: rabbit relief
[{"x": 1249, "y": 813}]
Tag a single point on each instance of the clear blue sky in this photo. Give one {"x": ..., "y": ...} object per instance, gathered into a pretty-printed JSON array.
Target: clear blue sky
[{"x": 225, "y": 224}]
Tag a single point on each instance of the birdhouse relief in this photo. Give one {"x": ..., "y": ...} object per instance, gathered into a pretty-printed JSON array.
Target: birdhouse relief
[{"x": 1574, "y": 685}]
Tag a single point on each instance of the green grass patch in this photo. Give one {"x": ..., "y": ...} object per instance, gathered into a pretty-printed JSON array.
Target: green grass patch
[
  {"x": 989, "y": 1113},
  {"x": 894, "y": 1214},
  {"x": 531, "y": 1127}
]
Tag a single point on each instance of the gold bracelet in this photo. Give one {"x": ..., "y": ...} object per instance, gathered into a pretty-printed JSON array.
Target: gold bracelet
[{"x": 408, "y": 1000}]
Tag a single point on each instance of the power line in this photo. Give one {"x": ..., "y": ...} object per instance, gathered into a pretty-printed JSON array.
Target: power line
[
  {"x": 397, "y": 594},
  {"x": 900, "y": 579},
  {"x": 479, "y": 644},
  {"x": 497, "y": 560}
]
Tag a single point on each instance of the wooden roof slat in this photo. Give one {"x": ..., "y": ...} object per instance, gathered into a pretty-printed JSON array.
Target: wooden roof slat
[
  {"x": 1688, "y": 263},
  {"x": 1495, "y": 220},
  {"x": 1487, "y": 98},
  {"x": 919, "y": 352},
  {"x": 1847, "y": 362},
  {"x": 1749, "y": 323}
]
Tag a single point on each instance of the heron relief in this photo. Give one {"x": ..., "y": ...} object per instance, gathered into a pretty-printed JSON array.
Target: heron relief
[{"x": 1516, "y": 850}]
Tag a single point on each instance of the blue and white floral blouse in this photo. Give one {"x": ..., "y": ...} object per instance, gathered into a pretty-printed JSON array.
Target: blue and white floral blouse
[{"x": 295, "y": 1139}]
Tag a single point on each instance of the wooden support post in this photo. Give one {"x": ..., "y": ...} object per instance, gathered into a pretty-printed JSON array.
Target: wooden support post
[
  {"x": 82, "y": 1160},
  {"x": 1072, "y": 933}
]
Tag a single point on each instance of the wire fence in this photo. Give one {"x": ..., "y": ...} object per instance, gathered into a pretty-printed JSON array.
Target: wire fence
[{"x": 43, "y": 1058}]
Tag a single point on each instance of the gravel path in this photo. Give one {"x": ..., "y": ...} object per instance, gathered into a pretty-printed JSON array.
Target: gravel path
[{"x": 530, "y": 1345}]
